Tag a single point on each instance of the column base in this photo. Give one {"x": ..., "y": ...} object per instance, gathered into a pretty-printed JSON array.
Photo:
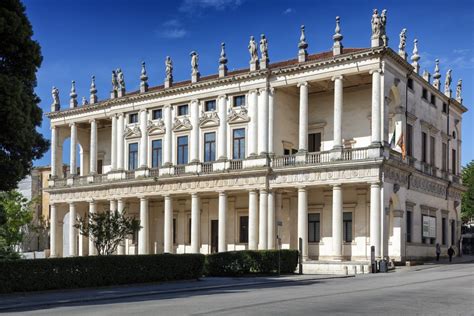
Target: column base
[{"x": 142, "y": 172}]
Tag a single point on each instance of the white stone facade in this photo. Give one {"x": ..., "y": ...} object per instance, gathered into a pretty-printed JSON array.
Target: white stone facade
[{"x": 315, "y": 161}]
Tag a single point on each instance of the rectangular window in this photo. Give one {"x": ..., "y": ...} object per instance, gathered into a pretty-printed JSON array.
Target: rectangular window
[
  {"x": 424, "y": 94},
  {"x": 432, "y": 151},
  {"x": 189, "y": 231},
  {"x": 424, "y": 146},
  {"x": 244, "y": 229},
  {"x": 156, "y": 153},
  {"x": 453, "y": 233},
  {"x": 210, "y": 146},
  {"x": 182, "y": 150},
  {"x": 409, "y": 148},
  {"x": 210, "y": 105},
  {"x": 183, "y": 110},
  {"x": 313, "y": 227},
  {"x": 453, "y": 161},
  {"x": 444, "y": 156},
  {"x": 133, "y": 118},
  {"x": 157, "y": 114},
  {"x": 410, "y": 83},
  {"x": 314, "y": 142},
  {"x": 443, "y": 231},
  {"x": 445, "y": 108},
  {"x": 174, "y": 230},
  {"x": 238, "y": 143},
  {"x": 433, "y": 99},
  {"x": 99, "y": 166},
  {"x": 132, "y": 156},
  {"x": 239, "y": 100},
  {"x": 409, "y": 220},
  {"x": 347, "y": 226}
]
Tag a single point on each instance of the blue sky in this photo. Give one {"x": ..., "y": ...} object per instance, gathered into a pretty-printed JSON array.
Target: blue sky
[{"x": 92, "y": 37}]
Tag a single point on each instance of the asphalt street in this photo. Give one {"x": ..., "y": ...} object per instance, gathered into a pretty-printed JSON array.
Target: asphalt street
[{"x": 422, "y": 290}]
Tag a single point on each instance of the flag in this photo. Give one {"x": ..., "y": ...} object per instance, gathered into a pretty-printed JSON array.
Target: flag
[
  {"x": 401, "y": 144},
  {"x": 392, "y": 140}
]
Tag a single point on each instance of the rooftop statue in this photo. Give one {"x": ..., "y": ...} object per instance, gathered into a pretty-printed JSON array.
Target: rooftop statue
[
  {"x": 55, "y": 95},
  {"x": 263, "y": 47},
  {"x": 194, "y": 62},
  {"x": 84, "y": 101},
  {"x": 120, "y": 78},
  {"x": 376, "y": 24},
  {"x": 459, "y": 90},
  {"x": 447, "y": 82},
  {"x": 253, "y": 50},
  {"x": 169, "y": 67},
  {"x": 403, "y": 41},
  {"x": 115, "y": 85}
]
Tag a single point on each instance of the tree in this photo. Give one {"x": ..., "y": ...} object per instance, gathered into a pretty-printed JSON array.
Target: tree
[
  {"x": 17, "y": 215},
  {"x": 467, "y": 207},
  {"x": 20, "y": 58},
  {"x": 107, "y": 229}
]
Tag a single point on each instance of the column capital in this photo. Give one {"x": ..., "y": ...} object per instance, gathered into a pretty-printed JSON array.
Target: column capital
[
  {"x": 72, "y": 124},
  {"x": 336, "y": 186},
  {"x": 222, "y": 192},
  {"x": 222, "y": 96},
  {"x": 91, "y": 201},
  {"x": 253, "y": 190},
  {"x": 141, "y": 110},
  {"x": 263, "y": 191},
  {"x": 92, "y": 120},
  {"x": 375, "y": 184},
  {"x": 338, "y": 77},
  {"x": 52, "y": 127},
  {"x": 272, "y": 89},
  {"x": 195, "y": 101},
  {"x": 378, "y": 70},
  {"x": 253, "y": 91},
  {"x": 72, "y": 203},
  {"x": 118, "y": 115},
  {"x": 194, "y": 194},
  {"x": 302, "y": 84},
  {"x": 302, "y": 188},
  {"x": 264, "y": 89},
  {"x": 142, "y": 198}
]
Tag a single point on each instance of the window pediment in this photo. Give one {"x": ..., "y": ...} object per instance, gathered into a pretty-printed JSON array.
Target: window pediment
[
  {"x": 182, "y": 124},
  {"x": 209, "y": 119},
  {"x": 132, "y": 132},
  {"x": 238, "y": 116},
  {"x": 157, "y": 127}
]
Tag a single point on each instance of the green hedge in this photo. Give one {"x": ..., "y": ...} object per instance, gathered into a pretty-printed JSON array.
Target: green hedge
[
  {"x": 63, "y": 273},
  {"x": 234, "y": 263}
]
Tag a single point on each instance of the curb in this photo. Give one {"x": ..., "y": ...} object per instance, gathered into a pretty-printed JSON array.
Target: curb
[{"x": 157, "y": 292}]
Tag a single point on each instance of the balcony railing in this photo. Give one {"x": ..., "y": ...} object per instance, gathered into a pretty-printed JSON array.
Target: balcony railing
[
  {"x": 235, "y": 164},
  {"x": 207, "y": 167}
]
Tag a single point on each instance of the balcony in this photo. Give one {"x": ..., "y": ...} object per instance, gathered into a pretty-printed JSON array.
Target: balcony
[{"x": 228, "y": 166}]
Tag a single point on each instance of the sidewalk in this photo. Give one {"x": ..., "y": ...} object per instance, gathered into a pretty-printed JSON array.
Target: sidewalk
[
  {"x": 442, "y": 261},
  {"x": 34, "y": 300}
]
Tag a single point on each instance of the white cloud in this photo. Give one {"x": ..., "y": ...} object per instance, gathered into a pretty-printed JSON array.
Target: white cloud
[
  {"x": 288, "y": 11},
  {"x": 172, "y": 29},
  {"x": 191, "y": 6}
]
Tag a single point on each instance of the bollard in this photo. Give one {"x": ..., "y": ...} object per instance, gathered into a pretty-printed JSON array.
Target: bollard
[{"x": 300, "y": 256}]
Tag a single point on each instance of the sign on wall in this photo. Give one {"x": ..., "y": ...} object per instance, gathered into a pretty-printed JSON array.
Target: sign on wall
[{"x": 429, "y": 227}]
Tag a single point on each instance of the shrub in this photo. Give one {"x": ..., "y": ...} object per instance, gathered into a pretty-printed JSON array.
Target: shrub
[
  {"x": 63, "y": 273},
  {"x": 234, "y": 263}
]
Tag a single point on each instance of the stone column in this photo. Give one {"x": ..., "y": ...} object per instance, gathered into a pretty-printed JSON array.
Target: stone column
[
  {"x": 253, "y": 220},
  {"x": 195, "y": 223},
  {"x": 303, "y": 219},
  {"x": 120, "y": 209},
  {"x": 73, "y": 151},
  {"x": 222, "y": 245},
  {"x": 168, "y": 222},
  {"x": 113, "y": 205},
  {"x": 54, "y": 144},
  {"x": 168, "y": 136},
  {"x": 271, "y": 118},
  {"x": 375, "y": 219},
  {"x": 263, "y": 220},
  {"x": 120, "y": 142},
  {"x": 143, "y": 233},
  {"x": 271, "y": 220},
  {"x": 72, "y": 230},
  {"x": 337, "y": 221},
  {"x": 144, "y": 138},
  {"x": 93, "y": 147},
  {"x": 376, "y": 108},
  {"x": 338, "y": 104},
  {"x": 303, "y": 120},
  {"x": 92, "y": 210},
  {"x": 222, "y": 132},
  {"x": 113, "y": 154},
  {"x": 53, "y": 231},
  {"x": 253, "y": 124},
  {"x": 194, "y": 142},
  {"x": 263, "y": 122}
]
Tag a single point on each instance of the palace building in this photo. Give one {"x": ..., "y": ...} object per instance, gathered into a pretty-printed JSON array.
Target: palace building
[{"x": 345, "y": 149}]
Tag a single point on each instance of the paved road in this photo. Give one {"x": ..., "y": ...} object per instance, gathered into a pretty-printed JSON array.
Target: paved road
[{"x": 424, "y": 290}]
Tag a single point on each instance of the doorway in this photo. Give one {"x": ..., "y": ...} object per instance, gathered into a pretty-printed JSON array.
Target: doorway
[{"x": 214, "y": 235}]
